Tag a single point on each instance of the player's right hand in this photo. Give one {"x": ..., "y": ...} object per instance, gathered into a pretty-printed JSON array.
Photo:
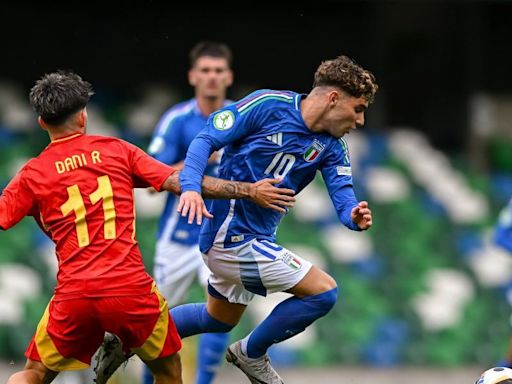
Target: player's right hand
[
  {"x": 192, "y": 203},
  {"x": 267, "y": 195}
]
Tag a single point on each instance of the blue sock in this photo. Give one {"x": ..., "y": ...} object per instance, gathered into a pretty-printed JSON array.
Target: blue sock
[
  {"x": 288, "y": 318},
  {"x": 210, "y": 355},
  {"x": 504, "y": 363},
  {"x": 192, "y": 319},
  {"x": 147, "y": 376}
]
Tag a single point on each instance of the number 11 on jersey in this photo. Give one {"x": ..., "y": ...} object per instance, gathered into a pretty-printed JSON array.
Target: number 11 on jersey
[{"x": 75, "y": 203}]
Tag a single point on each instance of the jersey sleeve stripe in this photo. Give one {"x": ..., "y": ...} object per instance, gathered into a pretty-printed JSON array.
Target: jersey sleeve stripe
[
  {"x": 257, "y": 94},
  {"x": 261, "y": 99},
  {"x": 166, "y": 121}
]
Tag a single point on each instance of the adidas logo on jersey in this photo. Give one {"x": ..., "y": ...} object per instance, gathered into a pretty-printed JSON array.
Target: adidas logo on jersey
[{"x": 276, "y": 138}]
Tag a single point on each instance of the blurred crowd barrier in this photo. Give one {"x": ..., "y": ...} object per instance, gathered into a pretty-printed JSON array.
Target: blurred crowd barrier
[{"x": 424, "y": 286}]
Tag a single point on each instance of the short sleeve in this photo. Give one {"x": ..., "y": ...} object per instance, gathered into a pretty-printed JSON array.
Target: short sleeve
[
  {"x": 16, "y": 201},
  {"x": 147, "y": 171}
]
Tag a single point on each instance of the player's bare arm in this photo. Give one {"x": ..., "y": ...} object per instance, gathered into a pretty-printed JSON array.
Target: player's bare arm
[{"x": 263, "y": 193}]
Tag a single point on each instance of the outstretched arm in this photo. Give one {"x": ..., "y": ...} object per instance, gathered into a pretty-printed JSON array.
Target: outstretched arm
[{"x": 263, "y": 193}]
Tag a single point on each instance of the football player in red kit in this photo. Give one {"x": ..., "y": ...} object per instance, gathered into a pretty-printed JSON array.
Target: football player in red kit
[{"x": 80, "y": 191}]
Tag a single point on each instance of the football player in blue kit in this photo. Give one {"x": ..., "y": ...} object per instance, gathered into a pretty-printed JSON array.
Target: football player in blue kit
[
  {"x": 274, "y": 134},
  {"x": 178, "y": 262}
]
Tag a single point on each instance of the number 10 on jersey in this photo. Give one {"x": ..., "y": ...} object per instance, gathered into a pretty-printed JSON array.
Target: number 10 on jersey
[{"x": 280, "y": 165}]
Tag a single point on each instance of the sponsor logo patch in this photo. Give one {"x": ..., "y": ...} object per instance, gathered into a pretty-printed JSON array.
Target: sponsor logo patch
[
  {"x": 223, "y": 120},
  {"x": 276, "y": 138},
  {"x": 343, "y": 171}
]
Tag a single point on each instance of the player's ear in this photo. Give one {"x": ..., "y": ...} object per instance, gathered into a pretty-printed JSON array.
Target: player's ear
[
  {"x": 230, "y": 77},
  {"x": 41, "y": 123},
  {"x": 82, "y": 118},
  {"x": 192, "y": 77},
  {"x": 333, "y": 97}
]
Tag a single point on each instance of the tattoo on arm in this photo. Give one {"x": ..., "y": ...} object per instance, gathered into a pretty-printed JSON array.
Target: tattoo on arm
[
  {"x": 230, "y": 188},
  {"x": 212, "y": 187}
]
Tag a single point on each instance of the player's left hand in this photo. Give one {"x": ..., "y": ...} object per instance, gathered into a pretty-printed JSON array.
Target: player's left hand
[
  {"x": 192, "y": 203},
  {"x": 362, "y": 215},
  {"x": 265, "y": 194}
]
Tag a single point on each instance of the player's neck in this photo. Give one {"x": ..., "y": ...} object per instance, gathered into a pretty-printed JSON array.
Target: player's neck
[
  {"x": 61, "y": 132},
  {"x": 311, "y": 114},
  {"x": 209, "y": 105}
]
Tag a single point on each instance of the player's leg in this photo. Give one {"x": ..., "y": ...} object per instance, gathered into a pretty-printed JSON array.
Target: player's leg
[
  {"x": 144, "y": 327},
  {"x": 67, "y": 336},
  {"x": 227, "y": 298},
  {"x": 166, "y": 370},
  {"x": 210, "y": 354},
  {"x": 175, "y": 270},
  {"x": 162, "y": 360},
  {"x": 35, "y": 372},
  {"x": 217, "y": 315},
  {"x": 212, "y": 346},
  {"x": 315, "y": 294}
]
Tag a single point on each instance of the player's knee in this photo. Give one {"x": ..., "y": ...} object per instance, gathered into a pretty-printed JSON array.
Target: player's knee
[
  {"x": 34, "y": 372},
  {"x": 330, "y": 298},
  {"x": 27, "y": 376},
  {"x": 18, "y": 377},
  {"x": 166, "y": 370},
  {"x": 213, "y": 325},
  {"x": 329, "y": 283},
  {"x": 323, "y": 302}
]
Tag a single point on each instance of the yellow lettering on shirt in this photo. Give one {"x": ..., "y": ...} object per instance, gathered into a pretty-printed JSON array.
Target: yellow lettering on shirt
[
  {"x": 95, "y": 155},
  {"x": 60, "y": 167},
  {"x": 73, "y": 162}
]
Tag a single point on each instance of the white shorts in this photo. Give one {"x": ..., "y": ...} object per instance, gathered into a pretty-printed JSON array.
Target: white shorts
[
  {"x": 256, "y": 267},
  {"x": 176, "y": 268}
]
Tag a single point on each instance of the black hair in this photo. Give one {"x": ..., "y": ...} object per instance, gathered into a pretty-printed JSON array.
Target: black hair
[
  {"x": 210, "y": 48},
  {"x": 58, "y": 95}
]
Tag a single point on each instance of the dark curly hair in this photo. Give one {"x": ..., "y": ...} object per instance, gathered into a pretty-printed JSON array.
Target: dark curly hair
[
  {"x": 346, "y": 74},
  {"x": 58, "y": 95}
]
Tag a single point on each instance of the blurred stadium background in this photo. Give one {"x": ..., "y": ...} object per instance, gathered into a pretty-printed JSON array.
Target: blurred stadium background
[{"x": 423, "y": 292}]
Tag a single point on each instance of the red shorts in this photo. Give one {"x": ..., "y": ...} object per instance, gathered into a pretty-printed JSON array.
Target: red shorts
[{"x": 71, "y": 331}]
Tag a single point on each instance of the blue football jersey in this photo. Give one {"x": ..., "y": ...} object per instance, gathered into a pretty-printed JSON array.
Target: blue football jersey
[
  {"x": 173, "y": 134},
  {"x": 265, "y": 136},
  {"x": 503, "y": 232}
]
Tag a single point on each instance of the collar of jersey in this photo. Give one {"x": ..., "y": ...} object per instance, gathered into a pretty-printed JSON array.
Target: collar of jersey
[{"x": 66, "y": 138}]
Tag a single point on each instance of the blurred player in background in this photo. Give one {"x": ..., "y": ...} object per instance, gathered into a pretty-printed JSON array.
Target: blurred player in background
[
  {"x": 280, "y": 134},
  {"x": 503, "y": 238},
  {"x": 178, "y": 261},
  {"x": 80, "y": 191}
]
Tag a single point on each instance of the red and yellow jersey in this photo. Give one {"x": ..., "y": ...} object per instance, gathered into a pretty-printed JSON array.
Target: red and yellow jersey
[{"x": 80, "y": 191}]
